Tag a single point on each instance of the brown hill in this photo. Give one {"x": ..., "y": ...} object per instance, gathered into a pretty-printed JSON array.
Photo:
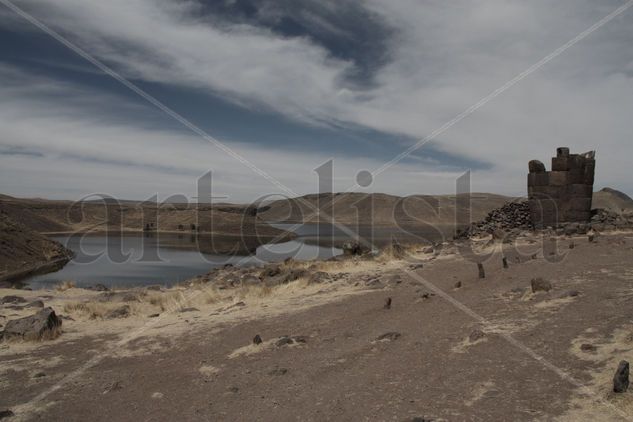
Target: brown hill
[
  {"x": 24, "y": 251},
  {"x": 382, "y": 210},
  {"x": 612, "y": 200}
]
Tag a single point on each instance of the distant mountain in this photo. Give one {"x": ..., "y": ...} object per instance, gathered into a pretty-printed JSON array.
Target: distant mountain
[
  {"x": 380, "y": 209},
  {"x": 612, "y": 200}
]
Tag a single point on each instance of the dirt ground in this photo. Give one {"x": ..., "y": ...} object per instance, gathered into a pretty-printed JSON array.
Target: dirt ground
[{"x": 488, "y": 350}]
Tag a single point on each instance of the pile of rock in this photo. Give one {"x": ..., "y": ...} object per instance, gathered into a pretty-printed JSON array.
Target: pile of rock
[
  {"x": 602, "y": 220},
  {"x": 511, "y": 217}
]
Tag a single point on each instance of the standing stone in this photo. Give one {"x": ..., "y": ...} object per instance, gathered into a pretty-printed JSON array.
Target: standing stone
[
  {"x": 387, "y": 303},
  {"x": 505, "y": 262},
  {"x": 482, "y": 272},
  {"x": 257, "y": 339},
  {"x": 621, "y": 378}
]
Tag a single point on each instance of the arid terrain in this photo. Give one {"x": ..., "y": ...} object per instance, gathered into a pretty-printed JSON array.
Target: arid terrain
[{"x": 451, "y": 346}]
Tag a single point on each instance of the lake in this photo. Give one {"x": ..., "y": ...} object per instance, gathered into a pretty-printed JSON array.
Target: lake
[
  {"x": 141, "y": 259},
  {"x": 165, "y": 259}
]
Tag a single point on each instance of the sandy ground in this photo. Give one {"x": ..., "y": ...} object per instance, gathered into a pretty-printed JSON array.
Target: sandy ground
[{"x": 353, "y": 359}]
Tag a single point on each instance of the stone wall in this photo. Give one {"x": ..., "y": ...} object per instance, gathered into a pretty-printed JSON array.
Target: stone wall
[{"x": 563, "y": 194}]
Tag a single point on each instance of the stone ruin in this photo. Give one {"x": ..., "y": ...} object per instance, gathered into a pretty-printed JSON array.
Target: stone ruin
[{"x": 562, "y": 195}]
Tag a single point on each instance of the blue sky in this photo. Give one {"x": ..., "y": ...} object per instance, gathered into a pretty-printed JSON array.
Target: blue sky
[{"x": 289, "y": 84}]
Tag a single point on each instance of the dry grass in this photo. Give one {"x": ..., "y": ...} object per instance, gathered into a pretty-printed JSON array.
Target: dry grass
[
  {"x": 65, "y": 285},
  {"x": 91, "y": 310}
]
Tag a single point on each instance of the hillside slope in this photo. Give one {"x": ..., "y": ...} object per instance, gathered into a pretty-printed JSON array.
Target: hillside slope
[
  {"x": 381, "y": 209},
  {"x": 23, "y": 250},
  {"x": 612, "y": 200}
]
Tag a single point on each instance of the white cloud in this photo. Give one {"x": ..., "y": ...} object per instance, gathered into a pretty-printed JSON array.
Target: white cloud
[{"x": 445, "y": 56}]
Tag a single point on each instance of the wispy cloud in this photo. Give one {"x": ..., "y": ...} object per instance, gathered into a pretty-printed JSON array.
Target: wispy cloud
[{"x": 443, "y": 57}]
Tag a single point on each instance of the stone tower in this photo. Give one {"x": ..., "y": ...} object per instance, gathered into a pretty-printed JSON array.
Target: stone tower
[{"x": 564, "y": 194}]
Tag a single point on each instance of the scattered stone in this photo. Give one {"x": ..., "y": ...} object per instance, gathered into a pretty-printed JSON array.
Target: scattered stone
[
  {"x": 120, "y": 312},
  {"x": 387, "y": 303},
  {"x": 374, "y": 284},
  {"x": 475, "y": 335},
  {"x": 257, "y": 339},
  {"x": 458, "y": 285},
  {"x": 44, "y": 325},
  {"x": 540, "y": 285},
  {"x": 6, "y": 414},
  {"x": 427, "y": 295},
  {"x": 482, "y": 272},
  {"x": 354, "y": 249},
  {"x": 414, "y": 267},
  {"x": 319, "y": 277},
  {"x": 391, "y": 336},
  {"x": 185, "y": 310},
  {"x": 153, "y": 316},
  {"x": 39, "y": 375},
  {"x": 621, "y": 378},
  {"x": 14, "y": 300},
  {"x": 35, "y": 304},
  {"x": 115, "y": 386},
  {"x": 286, "y": 340},
  {"x": 278, "y": 372},
  {"x": 505, "y": 262},
  {"x": 586, "y": 347}
]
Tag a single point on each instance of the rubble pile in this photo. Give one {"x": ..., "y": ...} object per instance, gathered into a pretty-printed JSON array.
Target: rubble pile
[{"x": 513, "y": 216}]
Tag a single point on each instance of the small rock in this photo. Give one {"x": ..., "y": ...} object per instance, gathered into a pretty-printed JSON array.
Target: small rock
[
  {"x": 157, "y": 395},
  {"x": 387, "y": 303},
  {"x": 278, "y": 371},
  {"x": 621, "y": 378},
  {"x": 572, "y": 245},
  {"x": 6, "y": 414},
  {"x": 100, "y": 288},
  {"x": 44, "y": 325},
  {"x": 540, "y": 285},
  {"x": 185, "y": 310},
  {"x": 153, "y": 316},
  {"x": 39, "y": 375},
  {"x": 504, "y": 260},
  {"x": 586, "y": 347},
  {"x": 115, "y": 386},
  {"x": 476, "y": 335},
  {"x": 391, "y": 336},
  {"x": 283, "y": 341},
  {"x": 257, "y": 339},
  {"x": 414, "y": 267},
  {"x": 12, "y": 299},
  {"x": 482, "y": 272},
  {"x": 120, "y": 312},
  {"x": 319, "y": 277},
  {"x": 458, "y": 285},
  {"x": 35, "y": 304}
]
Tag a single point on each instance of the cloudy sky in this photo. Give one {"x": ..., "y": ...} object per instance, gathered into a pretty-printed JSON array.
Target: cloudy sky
[{"x": 288, "y": 84}]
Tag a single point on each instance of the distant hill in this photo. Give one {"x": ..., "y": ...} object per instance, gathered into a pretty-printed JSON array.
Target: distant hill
[
  {"x": 613, "y": 200},
  {"x": 380, "y": 209}
]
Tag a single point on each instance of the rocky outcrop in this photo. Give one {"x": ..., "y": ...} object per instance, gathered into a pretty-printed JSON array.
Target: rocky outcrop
[{"x": 44, "y": 325}]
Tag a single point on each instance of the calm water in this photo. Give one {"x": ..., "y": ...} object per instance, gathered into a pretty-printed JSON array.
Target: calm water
[{"x": 145, "y": 259}]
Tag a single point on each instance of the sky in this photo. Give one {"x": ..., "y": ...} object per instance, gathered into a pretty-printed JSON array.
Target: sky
[{"x": 279, "y": 87}]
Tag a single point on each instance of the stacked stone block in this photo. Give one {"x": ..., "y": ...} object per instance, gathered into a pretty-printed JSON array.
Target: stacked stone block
[{"x": 563, "y": 194}]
